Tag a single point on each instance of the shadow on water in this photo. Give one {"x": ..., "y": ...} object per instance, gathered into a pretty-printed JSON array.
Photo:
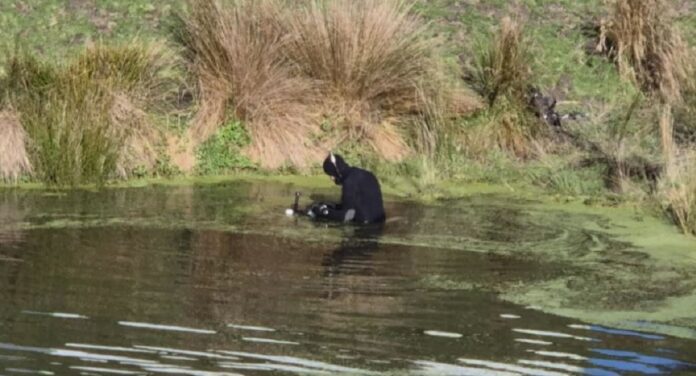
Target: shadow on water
[{"x": 212, "y": 280}]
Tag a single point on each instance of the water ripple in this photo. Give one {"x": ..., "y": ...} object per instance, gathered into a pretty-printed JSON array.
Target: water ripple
[{"x": 165, "y": 327}]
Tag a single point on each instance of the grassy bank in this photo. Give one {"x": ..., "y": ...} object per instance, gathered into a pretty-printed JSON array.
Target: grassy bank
[{"x": 429, "y": 94}]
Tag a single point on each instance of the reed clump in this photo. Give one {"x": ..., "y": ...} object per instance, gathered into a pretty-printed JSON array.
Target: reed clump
[
  {"x": 90, "y": 119},
  {"x": 500, "y": 72}
]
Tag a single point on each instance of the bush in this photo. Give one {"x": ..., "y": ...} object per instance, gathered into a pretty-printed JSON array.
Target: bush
[
  {"x": 508, "y": 126},
  {"x": 501, "y": 74},
  {"x": 67, "y": 119},
  {"x": 373, "y": 67},
  {"x": 90, "y": 120},
  {"x": 502, "y": 66},
  {"x": 221, "y": 153}
]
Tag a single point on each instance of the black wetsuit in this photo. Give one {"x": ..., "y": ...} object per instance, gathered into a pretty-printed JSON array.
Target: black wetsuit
[{"x": 361, "y": 196}]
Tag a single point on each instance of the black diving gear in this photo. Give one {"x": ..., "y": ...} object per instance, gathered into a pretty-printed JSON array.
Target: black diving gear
[{"x": 361, "y": 196}]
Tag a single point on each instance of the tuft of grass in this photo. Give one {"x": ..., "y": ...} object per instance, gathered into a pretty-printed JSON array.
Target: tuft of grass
[
  {"x": 142, "y": 80},
  {"x": 14, "y": 157},
  {"x": 508, "y": 126},
  {"x": 677, "y": 192},
  {"x": 238, "y": 55},
  {"x": 502, "y": 66},
  {"x": 621, "y": 138},
  {"x": 685, "y": 120},
  {"x": 640, "y": 36},
  {"x": 69, "y": 124},
  {"x": 501, "y": 73},
  {"x": 221, "y": 153},
  {"x": 371, "y": 61},
  {"x": 89, "y": 120}
]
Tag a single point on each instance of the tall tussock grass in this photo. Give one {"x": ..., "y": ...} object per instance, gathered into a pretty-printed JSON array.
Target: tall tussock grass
[
  {"x": 640, "y": 36},
  {"x": 500, "y": 72},
  {"x": 677, "y": 187},
  {"x": 677, "y": 192},
  {"x": 502, "y": 65},
  {"x": 370, "y": 61},
  {"x": 237, "y": 52},
  {"x": 285, "y": 67},
  {"x": 88, "y": 120},
  {"x": 14, "y": 157}
]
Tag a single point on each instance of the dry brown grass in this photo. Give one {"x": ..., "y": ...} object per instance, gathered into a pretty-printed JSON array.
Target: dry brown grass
[
  {"x": 641, "y": 38},
  {"x": 140, "y": 138},
  {"x": 666, "y": 125},
  {"x": 502, "y": 66},
  {"x": 14, "y": 158},
  {"x": 677, "y": 186},
  {"x": 283, "y": 67},
  {"x": 369, "y": 57},
  {"x": 507, "y": 127},
  {"x": 677, "y": 191},
  {"x": 238, "y": 55},
  {"x": 500, "y": 72},
  {"x": 140, "y": 78}
]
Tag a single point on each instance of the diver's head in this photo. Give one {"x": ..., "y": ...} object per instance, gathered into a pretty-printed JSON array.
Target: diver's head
[{"x": 335, "y": 167}]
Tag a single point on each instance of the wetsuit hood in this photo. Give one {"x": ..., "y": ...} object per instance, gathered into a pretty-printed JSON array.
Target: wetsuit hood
[{"x": 335, "y": 166}]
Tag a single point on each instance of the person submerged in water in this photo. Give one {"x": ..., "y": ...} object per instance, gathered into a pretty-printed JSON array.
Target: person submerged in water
[{"x": 361, "y": 196}]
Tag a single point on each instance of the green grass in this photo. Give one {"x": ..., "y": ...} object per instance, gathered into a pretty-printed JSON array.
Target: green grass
[
  {"x": 67, "y": 119},
  {"x": 222, "y": 153},
  {"x": 88, "y": 118},
  {"x": 56, "y": 29}
]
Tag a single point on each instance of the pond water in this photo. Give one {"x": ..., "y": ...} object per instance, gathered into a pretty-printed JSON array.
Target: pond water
[{"x": 215, "y": 280}]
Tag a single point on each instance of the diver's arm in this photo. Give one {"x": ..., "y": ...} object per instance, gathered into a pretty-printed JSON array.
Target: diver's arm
[
  {"x": 330, "y": 212},
  {"x": 342, "y": 212},
  {"x": 346, "y": 210},
  {"x": 340, "y": 215}
]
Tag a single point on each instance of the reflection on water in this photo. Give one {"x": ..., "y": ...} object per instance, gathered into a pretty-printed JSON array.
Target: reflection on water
[{"x": 214, "y": 280}]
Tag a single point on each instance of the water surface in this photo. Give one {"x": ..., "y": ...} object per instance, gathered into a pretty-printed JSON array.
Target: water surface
[{"x": 215, "y": 280}]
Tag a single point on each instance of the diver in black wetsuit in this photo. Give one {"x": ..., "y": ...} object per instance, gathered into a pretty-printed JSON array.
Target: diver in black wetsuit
[{"x": 361, "y": 196}]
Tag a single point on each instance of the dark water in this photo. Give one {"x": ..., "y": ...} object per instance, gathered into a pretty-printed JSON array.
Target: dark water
[{"x": 215, "y": 280}]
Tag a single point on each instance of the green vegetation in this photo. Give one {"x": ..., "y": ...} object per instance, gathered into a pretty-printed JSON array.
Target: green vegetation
[
  {"x": 432, "y": 93},
  {"x": 222, "y": 154},
  {"x": 89, "y": 119}
]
